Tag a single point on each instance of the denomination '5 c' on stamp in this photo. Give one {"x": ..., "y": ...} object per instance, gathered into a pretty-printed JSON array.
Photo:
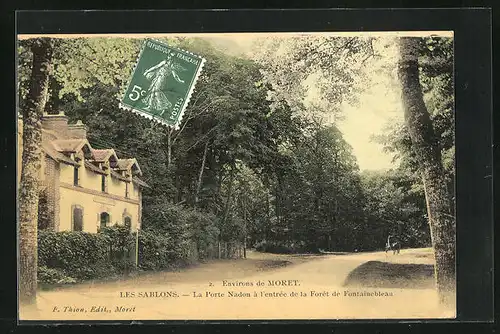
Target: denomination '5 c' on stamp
[{"x": 162, "y": 82}]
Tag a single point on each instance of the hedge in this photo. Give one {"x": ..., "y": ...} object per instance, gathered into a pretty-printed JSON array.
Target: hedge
[
  {"x": 281, "y": 247},
  {"x": 68, "y": 257},
  {"x": 53, "y": 276},
  {"x": 172, "y": 236},
  {"x": 79, "y": 255}
]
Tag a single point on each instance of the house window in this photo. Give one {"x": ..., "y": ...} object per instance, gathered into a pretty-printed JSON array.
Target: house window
[
  {"x": 104, "y": 219},
  {"x": 126, "y": 190},
  {"x": 128, "y": 222},
  {"x": 77, "y": 218},
  {"x": 103, "y": 183},
  {"x": 76, "y": 176}
]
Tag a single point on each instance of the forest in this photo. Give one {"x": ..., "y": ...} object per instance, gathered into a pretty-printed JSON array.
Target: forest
[{"x": 255, "y": 159}]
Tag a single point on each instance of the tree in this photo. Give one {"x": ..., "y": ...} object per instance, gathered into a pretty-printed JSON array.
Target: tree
[
  {"x": 32, "y": 112},
  {"x": 394, "y": 205},
  {"x": 436, "y": 78},
  {"x": 313, "y": 70},
  {"x": 426, "y": 149}
]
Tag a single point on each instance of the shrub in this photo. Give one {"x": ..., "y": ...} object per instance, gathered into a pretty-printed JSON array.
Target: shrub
[
  {"x": 157, "y": 251},
  {"x": 204, "y": 233},
  {"x": 280, "y": 247},
  {"x": 82, "y": 256},
  {"x": 53, "y": 276},
  {"x": 125, "y": 265},
  {"x": 122, "y": 244},
  {"x": 79, "y": 254},
  {"x": 169, "y": 234},
  {"x": 171, "y": 222}
]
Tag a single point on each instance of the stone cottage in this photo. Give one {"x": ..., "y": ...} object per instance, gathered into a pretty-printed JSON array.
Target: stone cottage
[{"x": 84, "y": 189}]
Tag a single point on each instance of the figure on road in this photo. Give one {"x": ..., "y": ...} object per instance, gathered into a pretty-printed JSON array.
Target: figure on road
[{"x": 392, "y": 244}]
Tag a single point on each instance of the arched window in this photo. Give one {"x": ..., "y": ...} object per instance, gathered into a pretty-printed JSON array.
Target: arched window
[
  {"x": 127, "y": 221},
  {"x": 104, "y": 219},
  {"x": 77, "y": 218}
]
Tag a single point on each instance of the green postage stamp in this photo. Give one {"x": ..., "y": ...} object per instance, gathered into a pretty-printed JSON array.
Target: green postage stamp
[{"x": 162, "y": 82}]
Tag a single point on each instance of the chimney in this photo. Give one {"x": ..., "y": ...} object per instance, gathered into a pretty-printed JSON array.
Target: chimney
[
  {"x": 78, "y": 130},
  {"x": 55, "y": 122}
]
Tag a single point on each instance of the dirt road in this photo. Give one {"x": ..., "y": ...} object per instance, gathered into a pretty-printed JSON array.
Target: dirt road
[{"x": 263, "y": 286}]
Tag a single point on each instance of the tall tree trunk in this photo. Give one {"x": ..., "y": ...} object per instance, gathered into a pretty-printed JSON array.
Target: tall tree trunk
[
  {"x": 243, "y": 202},
  {"x": 229, "y": 195},
  {"x": 425, "y": 146},
  {"x": 268, "y": 215},
  {"x": 200, "y": 175},
  {"x": 31, "y": 157},
  {"x": 169, "y": 148},
  {"x": 176, "y": 195},
  {"x": 219, "y": 178},
  {"x": 227, "y": 206}
]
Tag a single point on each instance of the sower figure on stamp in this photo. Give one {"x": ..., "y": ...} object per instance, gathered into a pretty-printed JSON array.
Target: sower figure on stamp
[
  {"x": 155, "y": 99},
  {"x": 392, "y": 244}
]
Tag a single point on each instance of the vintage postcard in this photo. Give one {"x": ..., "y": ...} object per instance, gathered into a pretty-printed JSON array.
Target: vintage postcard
[{"x": 236, "y": 176}]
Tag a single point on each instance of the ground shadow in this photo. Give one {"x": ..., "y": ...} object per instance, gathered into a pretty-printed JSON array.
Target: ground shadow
[
  {"x": 377, "y": 274},
  {"x": 263, "y": 265},
  {"x": 320, "y": 254}
]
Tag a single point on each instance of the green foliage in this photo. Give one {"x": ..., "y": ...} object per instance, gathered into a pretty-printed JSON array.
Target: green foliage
[
  {"x": 65, "y": 257},
  {"x": 77, "y": 254},
  {"x": 53, "y": 276},
  {"x": 252, "y": 160},
  {"x": 157, "y": 251},
  {"x": 170, "y": 230},
  {"x": 43, "y": 209},
  {"x": 436, "y": 77},
  {"x": 204, "y": 232},
  {"x": 121, "y": 246},
  {"x": 393, "y": 205},
  {"x": 25, "y": 57},
  {"x": 83, "y": 62},
  {"x": 437, "y": 82},
  {"x": 280, "y": 247},
  {"x": 314, "y": 191},
  {"x": 322, "y": 69}
]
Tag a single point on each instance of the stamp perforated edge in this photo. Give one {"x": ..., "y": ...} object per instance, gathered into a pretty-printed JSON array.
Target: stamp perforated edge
[{"x": 176, "y": 126}]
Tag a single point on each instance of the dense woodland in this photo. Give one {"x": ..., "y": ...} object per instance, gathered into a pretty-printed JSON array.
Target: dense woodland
[{"x": 252, "y": 160}]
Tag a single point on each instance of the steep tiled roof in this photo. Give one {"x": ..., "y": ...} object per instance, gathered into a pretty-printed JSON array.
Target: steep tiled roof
[
  {"x": 140, "y": 182},
  {"x": 49, "y": 149},
  {"x": 104, "y": 154},
  {"x": 94, "y": 168},
  {"x": 119, "y": 176},
  {"x": 57, "y": 145},
  {"x": 70, "y": 145},
  {"x": 124, "y": 164}
]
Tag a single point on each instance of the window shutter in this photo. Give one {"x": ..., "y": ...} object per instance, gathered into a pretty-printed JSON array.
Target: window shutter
[{"x": 77, "y": 218}]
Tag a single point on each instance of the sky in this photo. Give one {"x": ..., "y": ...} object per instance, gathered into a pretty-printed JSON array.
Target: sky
[
  {"x": 377, "y": 106},
  {"x": 361, "y": 123}
]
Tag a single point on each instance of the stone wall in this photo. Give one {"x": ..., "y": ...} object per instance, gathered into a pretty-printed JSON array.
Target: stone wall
[{"x": 52, "y": 171}]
